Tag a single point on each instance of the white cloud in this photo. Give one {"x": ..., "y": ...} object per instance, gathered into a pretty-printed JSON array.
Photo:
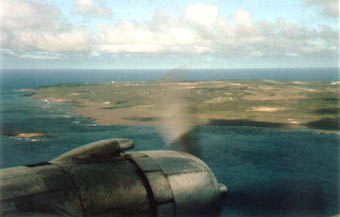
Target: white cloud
[
  {"x": 328, "y": 7},
  {"x": 142, "y": 38},
  {"x": 91, "y": 8},
  {"x": 16, "y": 14},
  {"x": 242, "y": 19},
  {"x": 201, "y": 14},
  {"x": 34, "y": 25},
  {"x": 74, "y": 40}
]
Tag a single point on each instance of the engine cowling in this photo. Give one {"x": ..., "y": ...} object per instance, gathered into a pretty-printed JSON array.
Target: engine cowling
[{"x": 100, "y": 179}]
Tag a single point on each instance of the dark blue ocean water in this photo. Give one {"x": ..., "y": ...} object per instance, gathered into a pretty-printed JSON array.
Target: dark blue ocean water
[
  {"x": 32, "y": 78},
  {"x": 269, "y": 172}
]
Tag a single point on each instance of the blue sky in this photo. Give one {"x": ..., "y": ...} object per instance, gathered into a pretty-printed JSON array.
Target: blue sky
[{"x": 112, "y": 34}]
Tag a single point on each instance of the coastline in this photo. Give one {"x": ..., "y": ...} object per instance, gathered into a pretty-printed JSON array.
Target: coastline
[{"x": 139, "y": 117}]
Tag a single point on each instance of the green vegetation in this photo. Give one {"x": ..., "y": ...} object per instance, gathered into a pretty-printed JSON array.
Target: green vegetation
[{"x": 285, "y": 103}]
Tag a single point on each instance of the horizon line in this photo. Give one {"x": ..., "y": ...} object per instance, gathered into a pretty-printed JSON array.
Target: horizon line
[{"x": 174, "y": 68}]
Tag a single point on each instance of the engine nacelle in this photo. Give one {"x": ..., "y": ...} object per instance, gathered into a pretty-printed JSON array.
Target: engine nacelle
[{"x": 100, "y": 179}]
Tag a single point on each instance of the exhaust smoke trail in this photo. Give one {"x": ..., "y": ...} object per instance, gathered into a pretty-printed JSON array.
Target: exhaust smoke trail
[{"x": 176, "y": 121}]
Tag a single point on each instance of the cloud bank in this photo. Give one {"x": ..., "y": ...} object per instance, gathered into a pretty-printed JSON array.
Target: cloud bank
[{"x": 28, "y": 33}]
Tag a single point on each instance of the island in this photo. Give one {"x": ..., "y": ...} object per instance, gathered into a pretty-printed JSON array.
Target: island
[
  {"x": 263, "y": 103},
  {"x": 21, "y": 135}
]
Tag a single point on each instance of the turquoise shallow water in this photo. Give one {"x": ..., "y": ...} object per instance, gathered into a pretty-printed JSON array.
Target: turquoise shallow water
[{"x": 269, "y": 172}]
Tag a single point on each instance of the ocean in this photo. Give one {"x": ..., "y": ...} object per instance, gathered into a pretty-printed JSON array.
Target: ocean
[{"x": 268, "y": 171}]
